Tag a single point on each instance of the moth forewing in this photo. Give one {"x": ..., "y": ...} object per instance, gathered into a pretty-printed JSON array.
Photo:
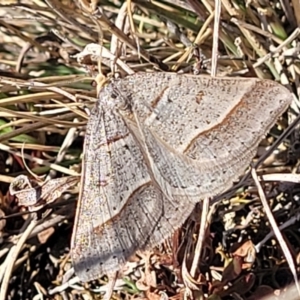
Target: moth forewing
[
  {"x": 193, "y": 178},
  {"x": 120, "y": 210}
]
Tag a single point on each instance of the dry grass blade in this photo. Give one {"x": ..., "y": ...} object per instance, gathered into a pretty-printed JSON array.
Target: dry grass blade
[
  {"x": 201, "y": 235},
  {"x": 276, "y": 230},
  {"x": 12, "y": 257},
  {"x": 216, "y": 38}
]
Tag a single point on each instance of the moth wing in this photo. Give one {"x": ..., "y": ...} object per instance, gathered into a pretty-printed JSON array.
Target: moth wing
[
  {"x": 213, "y": 159},
  {"x": 119, "y": 210}
]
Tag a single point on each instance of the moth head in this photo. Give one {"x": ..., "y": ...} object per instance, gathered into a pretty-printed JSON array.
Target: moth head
[{"x": 122, "y": 101}]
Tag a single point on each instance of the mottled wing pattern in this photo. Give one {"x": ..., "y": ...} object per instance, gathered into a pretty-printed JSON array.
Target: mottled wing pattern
[
  {"x": 199, "y": 143},
  {"x": 119, "y": 209}
]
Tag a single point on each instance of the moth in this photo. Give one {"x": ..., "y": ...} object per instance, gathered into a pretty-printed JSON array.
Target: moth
[{"x": 155, "y": 145}]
